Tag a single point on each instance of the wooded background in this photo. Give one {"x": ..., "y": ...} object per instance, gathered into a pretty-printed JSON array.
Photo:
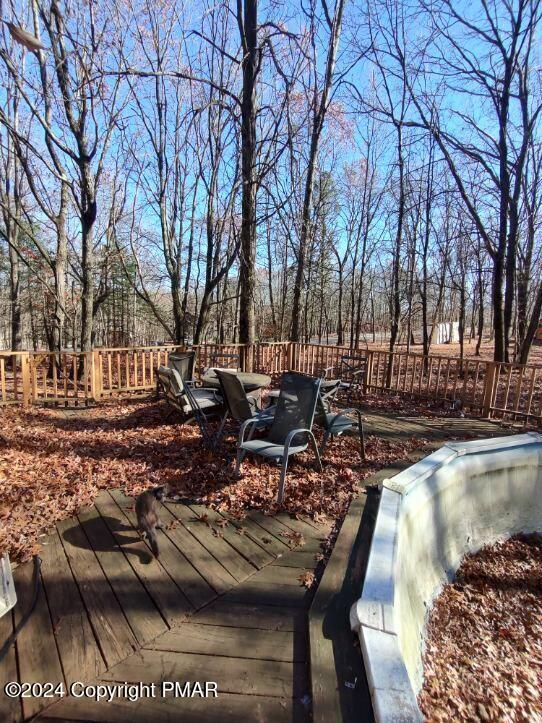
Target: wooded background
[{"x": 231, "y": 172}]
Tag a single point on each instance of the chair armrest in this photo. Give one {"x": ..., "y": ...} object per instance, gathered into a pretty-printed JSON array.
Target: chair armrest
[
  {"x": 268, "y": 411},
  {"x": 350, "y": 410},
  {"x": 243, "y": 428},
  {"x": 293, "y": 434},
  {"x": 215, "y": 392}
]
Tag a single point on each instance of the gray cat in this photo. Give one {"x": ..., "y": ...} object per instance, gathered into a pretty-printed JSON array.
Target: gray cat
[{"x": 147, "y": 514}]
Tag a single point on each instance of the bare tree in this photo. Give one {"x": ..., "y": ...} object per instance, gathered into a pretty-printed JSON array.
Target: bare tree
[{"x": 319, "y": 108}]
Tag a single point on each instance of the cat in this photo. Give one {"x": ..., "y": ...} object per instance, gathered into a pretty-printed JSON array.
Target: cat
[{"x": 147, "y": 515}]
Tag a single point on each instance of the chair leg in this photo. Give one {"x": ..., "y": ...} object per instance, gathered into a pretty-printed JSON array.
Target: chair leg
[
  {"x": 282, "y": 480},
  {"x": 202, "y": 424},
  {"x": 361, "y": 434},
  {"x": 240, "y": 456},
  {"x": 316, "y": 453},
  {"x": 361, "y": 440},
  {"x": 324, "y": 442},
  {"x": 218, "y": 435}
]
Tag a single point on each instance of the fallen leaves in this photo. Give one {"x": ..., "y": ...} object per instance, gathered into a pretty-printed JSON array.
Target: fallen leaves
[
  {"x": 53, "y": 462},
  {"x": 483, "y": 652},
  {"x": 296, "y": 538},
  {"x": 307, "y": 578}
]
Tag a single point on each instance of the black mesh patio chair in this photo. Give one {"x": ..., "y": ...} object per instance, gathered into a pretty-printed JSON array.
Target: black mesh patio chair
[
  {"x": 352, "y": 371},
  {"x": 336, "y": 423},
  {"x": 240, "y": 406},
  {"x": 183, "y": 364},
  {"x": 329, "y": 390},
  {"x": 192, "y": 404},
  {"x": 291, "y": 431}
]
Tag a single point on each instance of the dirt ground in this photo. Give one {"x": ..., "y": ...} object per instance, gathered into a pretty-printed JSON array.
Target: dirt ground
[{"x": 486, "y": 351}]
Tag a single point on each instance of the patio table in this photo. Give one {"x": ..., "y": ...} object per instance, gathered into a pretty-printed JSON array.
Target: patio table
[{"x": 250, "y": 381}]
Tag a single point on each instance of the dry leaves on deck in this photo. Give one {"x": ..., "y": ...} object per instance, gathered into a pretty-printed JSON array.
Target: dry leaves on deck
[
  {"x": 53, "y": 462},
  {"x": 483, "y": 658}
]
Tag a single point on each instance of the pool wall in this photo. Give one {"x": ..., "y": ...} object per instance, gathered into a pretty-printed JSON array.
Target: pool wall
[{"x": 454, "y": 501}]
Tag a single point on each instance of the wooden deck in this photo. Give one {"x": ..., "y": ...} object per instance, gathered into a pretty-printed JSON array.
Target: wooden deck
[{"x": 223, "y": 604}]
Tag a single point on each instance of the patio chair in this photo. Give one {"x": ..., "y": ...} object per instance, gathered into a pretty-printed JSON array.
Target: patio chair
[
  {"x": 191, "y": 404},
  {"x": 352, "y": 371},
  {"x": 336, "y": 423},
  {"x": 291, "y": 430},
  {"x": 183, "y": 363},
  {"x": 239, "y": 406}
]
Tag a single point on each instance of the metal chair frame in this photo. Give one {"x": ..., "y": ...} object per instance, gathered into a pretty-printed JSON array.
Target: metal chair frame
[
  {"x": 244, "y": 408},
  {"x": 352, "y": 374},
  {"x": 283, "y": 448},
  {"x": 177, "y": 394}
]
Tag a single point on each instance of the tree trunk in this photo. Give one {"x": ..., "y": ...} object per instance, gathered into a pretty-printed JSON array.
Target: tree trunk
[
  {"x": 87, "y": 294},
  {"x": 15, "y": 299},
  {"x": 248, "y": 152},
  {"x": 395, "y": 301},
  {"x": 531, "y": 329},
  {"x": 340, "y": 333},
  {"x": 320, "y": 109},
  {"x": 480, "y": 333},
  {"x": 60, "y": 270}
]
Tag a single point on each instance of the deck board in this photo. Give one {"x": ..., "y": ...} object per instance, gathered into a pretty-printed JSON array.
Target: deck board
[
  {"x": 138, "y": 607},
  {"x": 285, "y": 575},
  {"x": 265, "y": 617},
  {"x": 10, "y": 708},
  {"x": 256, "y": 593},
  {"x": 248, "y": 643},
  {"x": 78, "y": 648},
  {"x": 219, "y": 547},
  {"x": 262, "y": 536},
  {"x": 214, "y": 573},
  {"x": 233, "y": 675},
  {"x": 37, "y": 653},
  {"x": 186, "y": 572},
  {"x": 245, "y": 546},
  {"x": 298, "y": 558},
  {"x": 166, "y": 594},
  {"x": 109, "y": 624},
  {"x": 227, "y": 708}
]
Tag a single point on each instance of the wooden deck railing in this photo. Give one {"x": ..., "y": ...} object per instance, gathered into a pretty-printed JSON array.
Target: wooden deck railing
[{"x": 483, "y": 387}]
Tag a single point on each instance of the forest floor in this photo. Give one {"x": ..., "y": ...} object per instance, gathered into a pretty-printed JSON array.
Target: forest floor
[
  {"x": 55, "y": 461},
  {"x": 483, "y": 655},
  {"x": 452, "y": 350}
]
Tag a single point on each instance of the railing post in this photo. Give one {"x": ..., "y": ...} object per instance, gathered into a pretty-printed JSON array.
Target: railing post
[
  {"x": 290, "y": 355},
  {"x": 490, "y": 387},
  {"x": 96, "y": 375},
  {"x": 368, "y": 371},
  {"x": 25, "y": 378}
]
